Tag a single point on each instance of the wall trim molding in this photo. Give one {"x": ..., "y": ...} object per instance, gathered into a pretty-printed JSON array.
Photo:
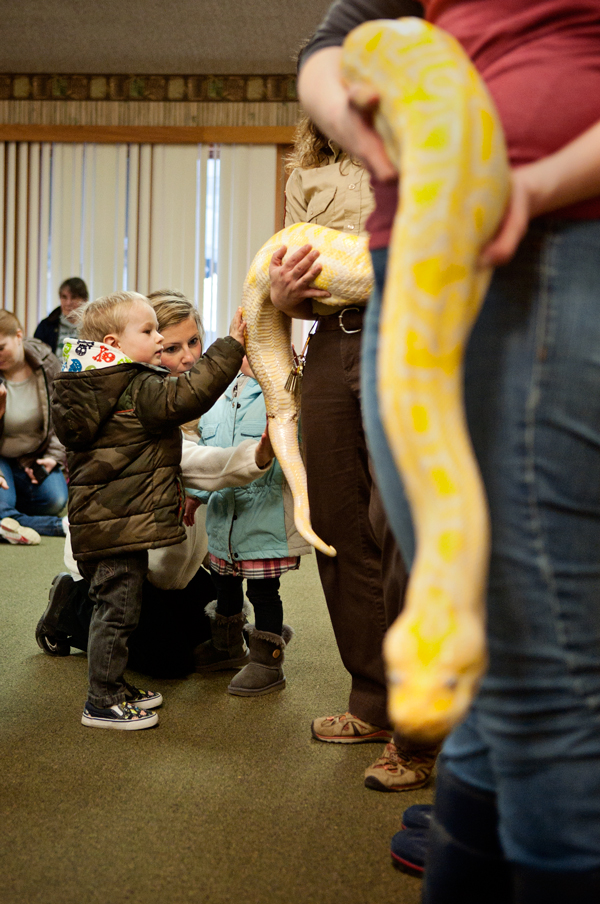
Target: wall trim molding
[
  {"x": 100, "y": 134},
  {"x": 153, "y": 88}
]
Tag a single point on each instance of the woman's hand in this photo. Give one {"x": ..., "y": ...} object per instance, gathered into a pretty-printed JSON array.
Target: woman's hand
[
  {"x": 292, "y": 281},
  {"x": 189, "y": 512},
  {"x": 3, "y": 483},
  {"x": 2, "y": 399},
  {"x": 264, "y": 453},
  {"x": 518, "y": 213},
  {"x": 237, "y": 328},
  {"x": 47, "y": 463}
]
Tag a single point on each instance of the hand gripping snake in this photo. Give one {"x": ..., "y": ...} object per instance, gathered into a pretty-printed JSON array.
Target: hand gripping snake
[{"x": 441, "y": 130}]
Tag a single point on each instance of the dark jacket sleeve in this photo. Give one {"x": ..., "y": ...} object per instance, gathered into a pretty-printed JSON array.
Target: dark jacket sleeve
[
  {"x": 344, "y": 15},
  {"x": 47, "y": 329},
  {"x": 175, "y": 400}
]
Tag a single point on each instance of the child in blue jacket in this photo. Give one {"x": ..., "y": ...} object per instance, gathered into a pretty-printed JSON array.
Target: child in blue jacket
[{"x": 252, "y": 537}]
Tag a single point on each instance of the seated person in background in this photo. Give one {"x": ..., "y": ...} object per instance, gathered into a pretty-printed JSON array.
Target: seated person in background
[
  {"x": 120, "y": 423},
  {"x": 251, "y": 536},
  {"x": 58, "y": 326},
  {"x": 33, "y": 489},
  {"x": 172, "y": 621}
]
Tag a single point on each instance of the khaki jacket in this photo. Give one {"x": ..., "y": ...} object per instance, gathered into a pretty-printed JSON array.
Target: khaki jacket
[{"x": 337, "y": 195}]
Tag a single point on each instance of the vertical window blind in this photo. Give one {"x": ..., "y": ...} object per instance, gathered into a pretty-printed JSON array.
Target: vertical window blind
[{"x": 138, "y": 216}]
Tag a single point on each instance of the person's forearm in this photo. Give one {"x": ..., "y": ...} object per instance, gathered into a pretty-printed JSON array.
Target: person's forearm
[
  {"x": 213, "y": 468},
  {"x": 323, "y": 68},
  {"x": 334, "y": 114},
  {"x": 569, "y": 175}
]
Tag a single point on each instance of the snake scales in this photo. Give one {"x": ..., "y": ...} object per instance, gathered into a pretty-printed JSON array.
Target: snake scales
[{"x": 440, "y": 128}]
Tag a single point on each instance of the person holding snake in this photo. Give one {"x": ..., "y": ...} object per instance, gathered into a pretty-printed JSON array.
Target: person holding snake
[
  {"x": 363, "y": 592},
  {"x": 517, "y": 812}
]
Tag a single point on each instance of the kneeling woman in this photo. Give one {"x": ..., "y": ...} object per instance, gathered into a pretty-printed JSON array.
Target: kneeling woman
[
  {"x": 33, "y": 489},
  {"x": 173, "y": 623}
]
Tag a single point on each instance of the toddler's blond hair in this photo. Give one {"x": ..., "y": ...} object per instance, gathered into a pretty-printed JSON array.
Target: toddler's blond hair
[{"x": 106, "y": 315}]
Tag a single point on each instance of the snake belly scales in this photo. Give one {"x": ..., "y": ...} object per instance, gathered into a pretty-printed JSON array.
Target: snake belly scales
[{"x": 441, "y": 130}]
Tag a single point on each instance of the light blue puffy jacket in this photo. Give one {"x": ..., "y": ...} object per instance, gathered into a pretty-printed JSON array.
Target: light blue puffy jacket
[{"x": 255, "y": 521}]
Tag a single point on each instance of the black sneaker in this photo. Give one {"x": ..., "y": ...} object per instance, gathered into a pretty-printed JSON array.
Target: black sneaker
[
  {"x": 48, "y": 637},
  {"x": 142, "y": 699},
  {"x": 122, "y": 716}
]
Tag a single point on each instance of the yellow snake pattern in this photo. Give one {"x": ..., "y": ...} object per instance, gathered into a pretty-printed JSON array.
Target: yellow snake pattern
[{"x": 441, "y": 129}]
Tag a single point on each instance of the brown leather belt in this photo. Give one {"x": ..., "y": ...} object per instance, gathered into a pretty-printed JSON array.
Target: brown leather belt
[{"x": 350, "y": 320}]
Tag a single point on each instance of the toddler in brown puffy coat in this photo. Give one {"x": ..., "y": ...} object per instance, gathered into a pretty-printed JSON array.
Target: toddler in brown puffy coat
[{"x": 118, "y": 414}]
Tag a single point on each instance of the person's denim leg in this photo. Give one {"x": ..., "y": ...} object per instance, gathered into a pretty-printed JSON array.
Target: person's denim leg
[
  {"x": 33, "y": 505},
  {"x": 389, "y": 481},
  {"x": 532, "y": 389},
  {"x": 116, "y": 590}
]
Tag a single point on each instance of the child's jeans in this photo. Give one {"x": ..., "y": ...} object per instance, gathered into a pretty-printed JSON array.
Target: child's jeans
[
  {"x": 33, "y": 505},
  {"x": 116, "y": 591},
  {"x": 263, "y": 593}
]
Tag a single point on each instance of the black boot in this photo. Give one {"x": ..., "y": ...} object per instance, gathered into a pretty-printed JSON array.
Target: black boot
[
  {"x": 465, "y": 863},
  {"x": 52, "y": 630},
  {"x": 534, "y": 886}
]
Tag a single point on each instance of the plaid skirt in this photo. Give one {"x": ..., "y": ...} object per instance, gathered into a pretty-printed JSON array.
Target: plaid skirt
[{"x": 255, "y": 569}]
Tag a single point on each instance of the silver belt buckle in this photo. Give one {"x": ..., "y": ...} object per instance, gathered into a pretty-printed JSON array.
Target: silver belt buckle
[{"x": 341, "y": 320}]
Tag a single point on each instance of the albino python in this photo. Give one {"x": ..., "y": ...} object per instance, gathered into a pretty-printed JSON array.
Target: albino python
[{"x": 441, "y": 129}]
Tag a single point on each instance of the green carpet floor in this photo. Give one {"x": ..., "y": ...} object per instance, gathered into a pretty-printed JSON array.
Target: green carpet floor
[{"x": 227, "y": 801}]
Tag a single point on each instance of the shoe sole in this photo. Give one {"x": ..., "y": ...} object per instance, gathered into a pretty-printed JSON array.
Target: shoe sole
[
  {"x": 407, "y": 867},
  {"x": 12, "y": 531},
  {"x": 248, "y": 692},
  {"x": 148, "y": 704},
  {"x": 52, "y": 645},
  {"x": 356, "y": 739},
  {"x": 375, "y": 785},
  {"x": 119, "y": 725}
]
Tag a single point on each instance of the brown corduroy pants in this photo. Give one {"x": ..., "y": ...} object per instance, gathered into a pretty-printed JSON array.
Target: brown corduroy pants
[{"x": 364, "y": 584}]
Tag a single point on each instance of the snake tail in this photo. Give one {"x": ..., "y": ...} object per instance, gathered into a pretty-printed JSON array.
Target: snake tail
[{"x": 348, "y": 275}]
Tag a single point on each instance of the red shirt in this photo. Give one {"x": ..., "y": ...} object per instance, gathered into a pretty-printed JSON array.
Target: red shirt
[{"x": 541, "y": 62}]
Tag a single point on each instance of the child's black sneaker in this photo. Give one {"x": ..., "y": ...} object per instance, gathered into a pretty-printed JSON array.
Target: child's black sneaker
[
  {"x": 121, "y": 716},
  {"x": 142, "y": 699}
]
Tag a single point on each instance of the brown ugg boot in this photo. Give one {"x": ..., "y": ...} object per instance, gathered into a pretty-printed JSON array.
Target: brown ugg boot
[
  {"x": 227, "y": 648},
  {"x": 264, "y": 672}
]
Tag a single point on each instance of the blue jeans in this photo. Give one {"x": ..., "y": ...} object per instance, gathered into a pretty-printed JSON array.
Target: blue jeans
[
  {"x": 30, "y": 504},
  {"x": 532, "y": 393}
]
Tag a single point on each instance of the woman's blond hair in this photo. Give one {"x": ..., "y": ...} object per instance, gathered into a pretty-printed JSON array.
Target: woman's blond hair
[
  {"x": 172, "y": 307},
  {"x": 311, "y": 147},
  {"x": 106, "y": 315},
  {"x": 9, "y": 324}
]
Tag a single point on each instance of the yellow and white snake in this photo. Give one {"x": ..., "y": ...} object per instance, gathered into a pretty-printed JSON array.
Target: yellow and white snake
[{"x": 441, "y": 129}]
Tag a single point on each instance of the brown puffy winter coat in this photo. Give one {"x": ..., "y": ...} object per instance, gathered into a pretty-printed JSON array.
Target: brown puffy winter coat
[{"x": 120, "y": 426}]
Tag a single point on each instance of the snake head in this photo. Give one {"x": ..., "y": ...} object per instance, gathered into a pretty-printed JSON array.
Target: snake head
[{"x": 427, "y": 699}]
